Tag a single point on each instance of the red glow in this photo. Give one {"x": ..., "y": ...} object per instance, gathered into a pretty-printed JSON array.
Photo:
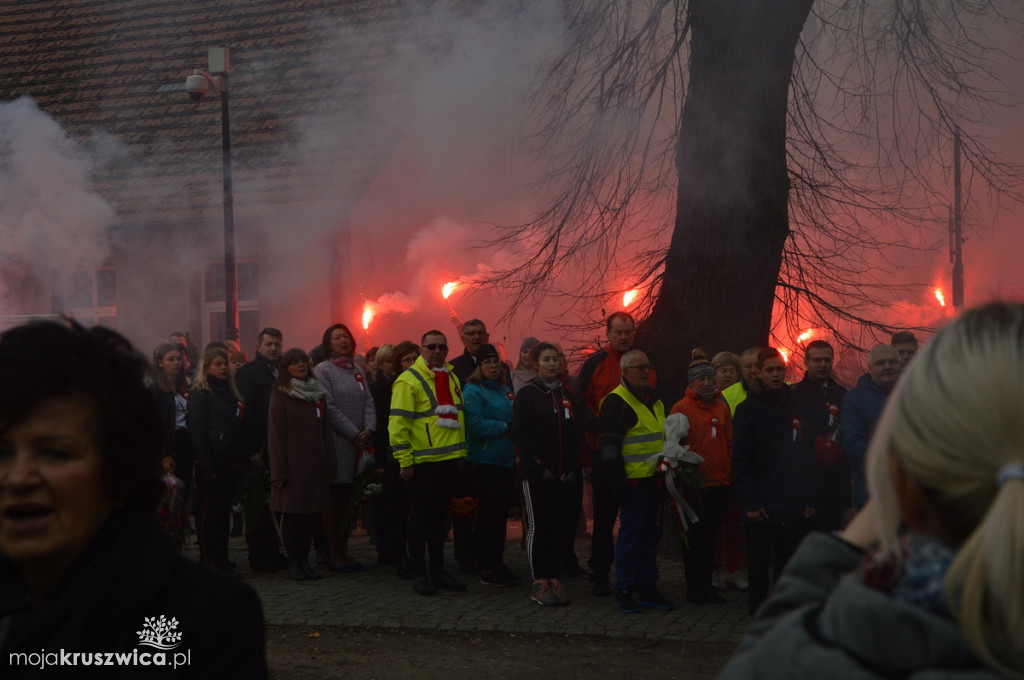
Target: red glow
[
  {"x": 785, "y": 354},
  {"x": 805, "y": 336},
  {"x": 367, "y": 316},
  {"x": 940, "y": 297},
  {"x": 628, "y": 297},
  {"x": 449, "y": 288}
]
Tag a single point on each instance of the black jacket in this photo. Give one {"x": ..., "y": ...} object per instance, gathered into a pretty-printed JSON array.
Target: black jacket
[
  {"x": 772, "y": 457},
  {"x": 255, "y": 382},
  {"x": 215, "y": 425},
  {"x": 823, "y": 407},
  {"x": 129, "y": 573},
  {"x": 547, "y": 435}
]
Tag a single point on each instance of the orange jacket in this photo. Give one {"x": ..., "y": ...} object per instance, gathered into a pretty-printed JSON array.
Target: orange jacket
[{"x": 710, "y": 435}]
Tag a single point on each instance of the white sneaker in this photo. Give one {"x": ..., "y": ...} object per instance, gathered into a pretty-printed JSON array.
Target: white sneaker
[{"x": 737, "y": 581}]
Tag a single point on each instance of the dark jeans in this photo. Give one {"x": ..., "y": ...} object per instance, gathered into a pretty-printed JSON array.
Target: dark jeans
[
  {"x": 636, "y": 550},
  {"x": 602, "y": 541},
  {"x": 393, "y": 518},
  {"x": 546, "y": 506},
  {"x": 769, "y": 547},
  {"x": 495, "y": 485},
  {"x": 701, "y": 539},
  {"x": 213, "y": 512},
  {"x": 430, "y": 492}
]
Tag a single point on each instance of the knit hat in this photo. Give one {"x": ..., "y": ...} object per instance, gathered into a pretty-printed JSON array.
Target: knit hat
[
  {"x": 529, "y": 343},
  {"x": 486, "y": 351}
]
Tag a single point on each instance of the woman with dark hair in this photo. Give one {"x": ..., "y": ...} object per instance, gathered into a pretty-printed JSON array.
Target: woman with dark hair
[
  {"x": 170, "y": 388},
  {"x": 215, "y": 423},
  {"x": 351, "y": 413},
  {"x": 84, "y": 565},
  {"x": 492, "y": 461},
  {"x": 549, "y": 441},
  {"x": 301, "y": 450}
]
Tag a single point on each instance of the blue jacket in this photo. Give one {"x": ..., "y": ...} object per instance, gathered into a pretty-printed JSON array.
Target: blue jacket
[
  {"x": 862, "y": 407},
  {"x": 488, "y": 411}
]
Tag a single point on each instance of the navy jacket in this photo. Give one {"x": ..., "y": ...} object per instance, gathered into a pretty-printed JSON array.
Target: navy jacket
[{"x": 862, "y": 408}]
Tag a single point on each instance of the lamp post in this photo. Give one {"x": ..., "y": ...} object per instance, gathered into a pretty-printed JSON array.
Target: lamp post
[{"x": 197, "y": 85}]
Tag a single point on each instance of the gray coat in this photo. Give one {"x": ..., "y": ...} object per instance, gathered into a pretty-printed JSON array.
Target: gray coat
[
  {"x": 823, "y": 622},
  {"x": 349, "y": 409}
]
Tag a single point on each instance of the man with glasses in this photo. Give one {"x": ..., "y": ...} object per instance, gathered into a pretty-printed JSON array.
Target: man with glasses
[
  {"x": 428, "y": 439},
  {"x": 632, "y": 434},
  {"x": 601, "y": 374}
]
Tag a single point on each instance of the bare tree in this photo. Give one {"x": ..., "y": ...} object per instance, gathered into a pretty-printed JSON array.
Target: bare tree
[{"x": 803, "y": 140}]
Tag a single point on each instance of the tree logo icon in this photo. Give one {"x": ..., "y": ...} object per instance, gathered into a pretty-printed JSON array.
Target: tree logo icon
[{"x": 159, "y": 633}]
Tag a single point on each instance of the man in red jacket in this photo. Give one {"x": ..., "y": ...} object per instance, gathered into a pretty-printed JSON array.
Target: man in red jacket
[{"x": 599, "y": 376}]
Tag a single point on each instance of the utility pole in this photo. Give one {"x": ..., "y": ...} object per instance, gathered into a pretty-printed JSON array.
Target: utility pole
[{"x": 956, "y": 229}]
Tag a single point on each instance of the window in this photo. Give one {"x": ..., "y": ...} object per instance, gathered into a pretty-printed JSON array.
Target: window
[
  {"x": 214, "y": 322},
  {"x": 90, "y": 296}
]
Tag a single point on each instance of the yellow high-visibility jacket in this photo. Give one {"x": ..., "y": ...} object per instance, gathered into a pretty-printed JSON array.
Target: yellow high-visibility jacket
[
  {"x": 412, "y": 426},
  {"x": 645, "y": 438}
]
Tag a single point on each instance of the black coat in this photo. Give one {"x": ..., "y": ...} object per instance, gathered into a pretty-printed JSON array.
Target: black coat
[
  {"x": 255, "y": 382},
  {"x": 129, "y": 573},
  {"x": 215, "y": 426},
  {"x": 773, "y": 467},
  {"x": 823, "y": 408},
  {"x": 545, "y": 431}
]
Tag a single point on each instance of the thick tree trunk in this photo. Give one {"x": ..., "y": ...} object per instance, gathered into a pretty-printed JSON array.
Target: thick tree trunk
[{"x": 732, "y": 219}]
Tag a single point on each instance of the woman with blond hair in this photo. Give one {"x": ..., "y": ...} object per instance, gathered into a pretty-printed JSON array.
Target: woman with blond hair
[
  {"x": 940, "y": 593},
  {"x": 215, "y": 423}
]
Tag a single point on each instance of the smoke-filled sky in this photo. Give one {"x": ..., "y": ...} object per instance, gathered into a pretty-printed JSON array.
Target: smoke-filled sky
[{"x": 459, "y": 166}]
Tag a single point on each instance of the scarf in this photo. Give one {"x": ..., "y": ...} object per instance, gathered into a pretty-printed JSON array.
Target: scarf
[
  {"x": 915, "y": 572},
  {"x": 446, "y": 412},
  {"x": 307, "y": 390},
  {"x": 342, "y": 360}
]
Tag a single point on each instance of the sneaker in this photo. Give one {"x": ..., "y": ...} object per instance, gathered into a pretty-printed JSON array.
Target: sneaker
[
  {"x": 495, "y": 578},
  {"x": 541, "y": 593},
  {"x": 446, "y": 581},
  {"x": 737, "y": 581},
  {"x": 423, "y": 585},
  {"x": 558, "y": 590},
  {"x": 510, "y": 577},
  {"x": 625, "y": 603},
  {"x": 653, "y": 599},
  {"x": 713, "y": 596}
]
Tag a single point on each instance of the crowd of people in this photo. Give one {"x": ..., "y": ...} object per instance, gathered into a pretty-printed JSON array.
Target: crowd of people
[{"x": 924, "y": 491}]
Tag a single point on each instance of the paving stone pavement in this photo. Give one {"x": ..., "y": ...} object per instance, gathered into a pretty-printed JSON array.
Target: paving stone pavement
[{"x": 378, "y": 598}]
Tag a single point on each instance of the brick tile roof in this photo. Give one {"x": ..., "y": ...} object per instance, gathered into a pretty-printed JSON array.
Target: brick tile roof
[{"x": 116, "y": 66}]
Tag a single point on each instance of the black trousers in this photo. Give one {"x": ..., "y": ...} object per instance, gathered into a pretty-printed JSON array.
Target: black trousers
[
  {"x": 769, "y": 547},
  {"x": 463, "y": 533},
  {"x": 495, "y": 486},
  {"x": 606, "y": 510},
  {"x": 701, "y": 539},
  {"x": 547, "y": 506},
  {"x": 430, "y": 492},
  {"x": 213, "y": 512},
  {"x": 393, "y": 518},
  {"x": 572, "y": 519}
]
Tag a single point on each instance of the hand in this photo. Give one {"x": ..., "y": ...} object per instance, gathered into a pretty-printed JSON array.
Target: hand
[
  {"x": 279, "y": 483},
  {"x": 758, "y": 515},
  {"x": 569, "y": 477},
  {"x": 808, "y": 512},
  {"x": 407, "y": 473},
  {"x": 547, "y": 476},
  {"x": 362, "y": 439},
  {"x": 168, "y": 463},
  {"x": 862, "y": 531}
]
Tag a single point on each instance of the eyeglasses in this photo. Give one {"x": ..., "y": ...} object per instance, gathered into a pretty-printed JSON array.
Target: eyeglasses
[
  {"x": 641, "y": 367},
  {"x": 436, "y": 346}
]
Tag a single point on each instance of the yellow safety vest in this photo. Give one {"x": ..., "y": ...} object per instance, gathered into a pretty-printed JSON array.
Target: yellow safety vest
[
  {"x": 645, "y": 438},
  {"x": 412, "y": 426}
]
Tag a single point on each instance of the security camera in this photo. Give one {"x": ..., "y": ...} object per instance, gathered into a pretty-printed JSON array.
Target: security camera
[{"x": 197, "y": 87}]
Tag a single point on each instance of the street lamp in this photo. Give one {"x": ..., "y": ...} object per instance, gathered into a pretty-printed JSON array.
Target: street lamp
[{"x": 197, "y": 85}]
